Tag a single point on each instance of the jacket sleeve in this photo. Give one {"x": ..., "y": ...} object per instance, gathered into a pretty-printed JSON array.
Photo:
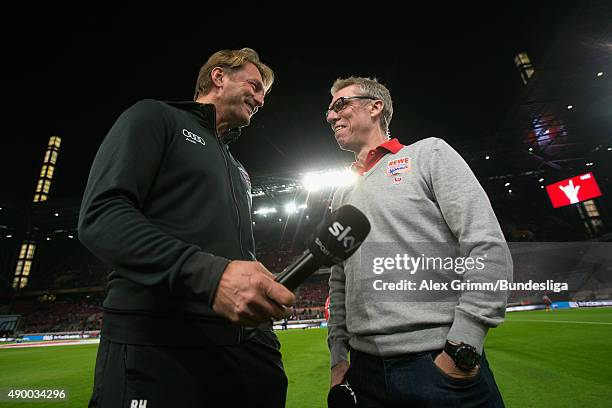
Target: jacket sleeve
[
  {"x": 337, "y": 337},
  {"x": 469, "y": 215},
  {"x": 111, "y": 220}
]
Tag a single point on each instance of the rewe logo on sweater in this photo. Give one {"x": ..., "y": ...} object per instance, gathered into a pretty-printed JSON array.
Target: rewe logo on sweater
[
  {"x": 193, "y": 138},
  {"x": 341, "y": 233},
  {"x": 398, "y": 166}
]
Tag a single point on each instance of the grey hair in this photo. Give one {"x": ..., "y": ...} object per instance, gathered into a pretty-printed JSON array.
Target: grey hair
[{"x": 370, "y": 87}]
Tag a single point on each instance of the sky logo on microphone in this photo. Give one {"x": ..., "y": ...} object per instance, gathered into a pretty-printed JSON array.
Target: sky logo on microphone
[{"x": 341, "y": 234}]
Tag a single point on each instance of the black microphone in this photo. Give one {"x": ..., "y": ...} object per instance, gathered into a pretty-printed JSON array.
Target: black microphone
[
  {"x": 337, "y": 238},
  {"x": 341, "y": 396}
]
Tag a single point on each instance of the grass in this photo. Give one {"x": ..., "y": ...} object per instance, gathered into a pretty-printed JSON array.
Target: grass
[
  {"x": 559, "y": 358},
  {"x": 539, "y": 359},
  {"x": 61, "y": 367}
]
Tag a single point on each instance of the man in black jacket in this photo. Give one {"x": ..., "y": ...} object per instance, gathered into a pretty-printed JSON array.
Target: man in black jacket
[{"x": 187, "y": 315}]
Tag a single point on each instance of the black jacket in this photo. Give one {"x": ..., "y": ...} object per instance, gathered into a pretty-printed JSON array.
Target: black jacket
[{"x": 167, "y": 206}]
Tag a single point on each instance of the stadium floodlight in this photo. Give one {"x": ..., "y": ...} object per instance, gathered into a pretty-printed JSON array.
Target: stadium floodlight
[
  {"x": 290, "y": 208},
  {"x": 265, "y": 211},
  {"x": 293, "y": 208},
  {"x": 319, "y": 180}
]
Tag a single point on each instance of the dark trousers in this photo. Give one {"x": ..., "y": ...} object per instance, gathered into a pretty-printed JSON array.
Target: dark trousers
[
  {"x": 250, "y": 374},
  {"x": 414, "y": 380}
]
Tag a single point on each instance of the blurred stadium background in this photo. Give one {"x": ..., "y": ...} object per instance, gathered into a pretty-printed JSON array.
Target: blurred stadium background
[{"x": 559, "y": 127}]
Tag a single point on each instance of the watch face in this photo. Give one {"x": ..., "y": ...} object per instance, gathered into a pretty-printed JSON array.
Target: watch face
[{"x": 466, "y": 358}]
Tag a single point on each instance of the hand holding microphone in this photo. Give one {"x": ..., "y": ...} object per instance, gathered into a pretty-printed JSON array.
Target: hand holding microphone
[
  {"x": 340, "y": 394},
  {"x": 249, "y": 294}
]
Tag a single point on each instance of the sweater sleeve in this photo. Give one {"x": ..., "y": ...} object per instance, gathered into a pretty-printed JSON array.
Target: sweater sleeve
[
  {"x": 469, "y": 215},
  {"x": 111, "y": 220},
  {"x": 337, "y": 337}
]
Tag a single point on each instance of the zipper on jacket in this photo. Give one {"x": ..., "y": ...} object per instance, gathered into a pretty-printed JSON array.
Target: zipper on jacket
[{"x": 229, "y": 173}]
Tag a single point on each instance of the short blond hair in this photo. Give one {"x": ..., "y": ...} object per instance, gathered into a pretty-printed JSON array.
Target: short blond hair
[
  {"x": 370, "y": 87},
  {"x": 232, "y": 59}
]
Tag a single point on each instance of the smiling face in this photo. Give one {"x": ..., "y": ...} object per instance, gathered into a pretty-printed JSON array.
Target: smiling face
[
  {"x": 242, "y": 94},
  {"x": 353, "y": 123}
]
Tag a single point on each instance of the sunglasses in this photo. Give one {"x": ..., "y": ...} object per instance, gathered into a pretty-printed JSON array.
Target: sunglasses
[{"x": 340, "y": 103}]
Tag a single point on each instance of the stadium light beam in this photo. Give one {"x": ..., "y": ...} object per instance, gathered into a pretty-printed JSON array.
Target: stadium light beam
[
  {"x": 265, "y": 211},
  {"x": 319, "y": 180},
  {"x": 290, "y": 208}
]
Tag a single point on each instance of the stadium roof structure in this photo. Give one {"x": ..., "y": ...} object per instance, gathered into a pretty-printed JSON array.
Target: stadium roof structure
[
  {"x": 560, "y": 124},
  {"x": 273, "y": 185},
  {"x": 565, "y": 112}
]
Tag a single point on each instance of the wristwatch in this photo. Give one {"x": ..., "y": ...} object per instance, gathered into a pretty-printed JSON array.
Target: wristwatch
[{"x": 465, "y": 356}]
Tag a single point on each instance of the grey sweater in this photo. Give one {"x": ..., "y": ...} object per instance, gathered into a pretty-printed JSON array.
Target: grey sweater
[{"x": 422, "y": 201}]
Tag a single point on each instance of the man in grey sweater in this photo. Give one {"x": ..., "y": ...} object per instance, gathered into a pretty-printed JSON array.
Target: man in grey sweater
[{"x": 414, "y": 304}]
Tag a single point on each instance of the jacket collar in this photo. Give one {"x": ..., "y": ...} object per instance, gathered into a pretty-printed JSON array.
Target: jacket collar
[{"x": 206, "y": 115}]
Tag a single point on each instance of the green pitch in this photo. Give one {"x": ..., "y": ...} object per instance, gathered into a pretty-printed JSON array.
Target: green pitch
[{"x": 540, "y": 359}]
